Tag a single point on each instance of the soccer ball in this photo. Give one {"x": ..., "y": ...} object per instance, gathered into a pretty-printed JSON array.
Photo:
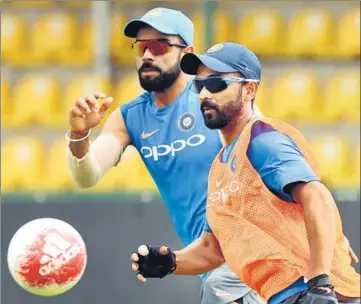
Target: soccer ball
[{"x": 47, "y": 257}]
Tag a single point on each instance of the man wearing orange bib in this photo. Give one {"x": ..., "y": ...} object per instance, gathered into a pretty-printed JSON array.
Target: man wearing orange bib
[{"x": 268, "y": 214}]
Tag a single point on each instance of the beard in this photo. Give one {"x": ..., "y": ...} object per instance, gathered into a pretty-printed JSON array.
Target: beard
[
  {"x": 161, "y": 82},
  {"x": 220, "y": 118},
  {"x": 216, "y": 120}
]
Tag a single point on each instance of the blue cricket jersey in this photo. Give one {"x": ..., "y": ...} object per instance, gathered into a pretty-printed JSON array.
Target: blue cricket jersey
[{"x": 178, "y": 150}]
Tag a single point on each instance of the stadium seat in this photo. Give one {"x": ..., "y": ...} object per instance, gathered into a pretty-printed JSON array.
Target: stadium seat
[
  {"x": 57, "y": 171},
  {"x": 36, "y": 4},
  {"x": 127, "y": 88},
  {"x": 22, "y": 164},
  {"x": 354, "y": 168},
  {"x": 294, "y": 96},
  {"x": 222, "y": 30},
  {"x": 120, "y": 45},
  {"x": 35, "y": 100},
  {"x": 135, "y": 175},
  {"x": 260, "y": 31},
  {"x": 12, "y": 38},
  {"x": 79, "y": 86},
  {"x": 82, "y": 54},
  {"x": 342, "y": 97},
  {"x": 6, "y": 104},
  {"x": 199, "y": 32},
  {"x": 53, "y": 36},
  {"x": 310, "y": 33},
  {"x": 262, "y": 99},
  {"x": 224, "y": 25},
  {"x": 348, "y": 34},
  {"x": 76, "y": 3},
  {"x": 332, "y": 154}
]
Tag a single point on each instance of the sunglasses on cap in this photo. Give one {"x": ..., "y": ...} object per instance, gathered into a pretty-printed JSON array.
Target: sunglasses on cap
[
  {"x": 157, "y": 47},
  {"x": 215, "y": 84}
]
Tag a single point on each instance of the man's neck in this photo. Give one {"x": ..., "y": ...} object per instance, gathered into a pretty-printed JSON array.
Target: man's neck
[
  {"x": 163, "y": 99},
  {"x": 235, "y": 127}
]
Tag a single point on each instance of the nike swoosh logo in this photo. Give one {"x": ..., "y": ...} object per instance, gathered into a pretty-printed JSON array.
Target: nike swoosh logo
[
  {"x": 146, "y": 135},
  {"x": 218, "y": 183}
]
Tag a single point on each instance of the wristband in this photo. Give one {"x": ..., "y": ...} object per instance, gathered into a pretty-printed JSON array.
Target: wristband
[
  {"x": 86, "y": 133},
  {"x": 322, "y": 280}
]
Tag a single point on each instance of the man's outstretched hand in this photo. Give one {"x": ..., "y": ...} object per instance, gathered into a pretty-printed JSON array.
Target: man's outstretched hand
[{"x": 153, "y": 262}]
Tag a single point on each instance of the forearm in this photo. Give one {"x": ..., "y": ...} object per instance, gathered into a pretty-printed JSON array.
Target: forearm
[
  {"x": 199, "y": 257},
  {"x": 320, "y": 224},
  {"x": 79, "y": 148},
  {"x": 88, "y": 162},
  {"x": 321, "y": 237}
]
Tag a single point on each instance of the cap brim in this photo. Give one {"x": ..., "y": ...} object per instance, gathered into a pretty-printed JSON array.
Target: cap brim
[
  {"x": 191, "y": 62},
  {"x": 132, "y": 27}
]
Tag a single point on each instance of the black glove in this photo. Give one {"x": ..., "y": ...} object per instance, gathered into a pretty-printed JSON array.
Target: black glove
[
  {"x": 316, "y": 295},
  {"x": 155, "y": 264}
]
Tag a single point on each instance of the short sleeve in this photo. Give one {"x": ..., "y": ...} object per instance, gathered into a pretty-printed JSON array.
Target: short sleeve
[
  {"x": 279, "y": 162},
  {"x": 206, "y": 227}
]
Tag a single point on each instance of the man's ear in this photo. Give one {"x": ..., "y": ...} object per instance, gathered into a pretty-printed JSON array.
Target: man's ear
[
  {"x": 189, "y": 49},
  {"x": 252, "y": 90}
]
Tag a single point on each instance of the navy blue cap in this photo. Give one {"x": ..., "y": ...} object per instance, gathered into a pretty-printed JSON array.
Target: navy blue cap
[
  {"x": 164, "y": 20},
  {"x": 226, "y": 57}
]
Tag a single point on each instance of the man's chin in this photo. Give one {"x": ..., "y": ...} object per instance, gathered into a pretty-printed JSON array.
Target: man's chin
[
  {"x": 212, "y": 125},
  {"x": 209, "y": 121},
  {"x": 147, "y": 85}
]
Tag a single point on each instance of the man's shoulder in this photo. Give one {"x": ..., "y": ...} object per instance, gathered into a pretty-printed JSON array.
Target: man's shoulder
[
  {"x": 267, "y": 143},
  {"x": 271, "y": 148},
  {"x": 264, "y": 135},
  {"x": 140, "y": 100},
  {"x": 269, "y": 140}
]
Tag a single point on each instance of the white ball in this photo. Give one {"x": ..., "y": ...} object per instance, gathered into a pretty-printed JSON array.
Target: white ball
[
  {"x": 47, "y": 257},
  {"x": 143, "y": 250}
]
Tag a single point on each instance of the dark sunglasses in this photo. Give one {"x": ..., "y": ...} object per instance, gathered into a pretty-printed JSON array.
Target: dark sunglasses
[
  {"x": 156, "y": 46},
  {"x": 215, "y": 84}
]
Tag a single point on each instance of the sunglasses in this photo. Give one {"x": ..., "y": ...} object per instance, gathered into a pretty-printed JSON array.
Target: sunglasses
[
  {"x": 215, "y": 84},
  {"x": 156, "y": 46}
]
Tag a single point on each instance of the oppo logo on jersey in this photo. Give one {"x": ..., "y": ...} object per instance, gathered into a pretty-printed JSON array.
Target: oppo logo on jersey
[
  {"x": 223, "y": 193},
  {"x": 178, "y": 145}
]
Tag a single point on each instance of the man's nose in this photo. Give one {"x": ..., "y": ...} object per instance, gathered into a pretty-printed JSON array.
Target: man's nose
[
  {"x": 147, "y": 56},
  {"x": 204, "y": 94}
]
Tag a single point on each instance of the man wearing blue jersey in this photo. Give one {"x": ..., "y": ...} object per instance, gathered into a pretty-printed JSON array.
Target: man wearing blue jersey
[{"x": 166, "y": 126}]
